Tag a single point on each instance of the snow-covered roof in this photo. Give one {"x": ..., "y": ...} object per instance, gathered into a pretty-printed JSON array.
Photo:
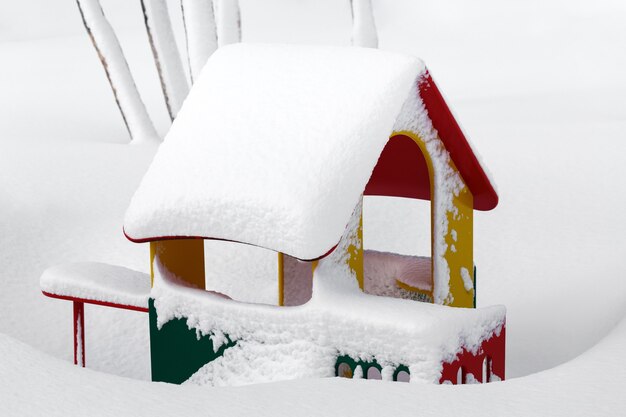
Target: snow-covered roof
[{"x": 274, "y": 146}]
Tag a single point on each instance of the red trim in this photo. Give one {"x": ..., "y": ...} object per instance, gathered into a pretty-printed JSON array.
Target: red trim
[
  {"x": 493, "y": 349},
  {"x": 97, "y": 302},
  {"x": 154, "y": 239},
  {"x": 485, "y": 196}
]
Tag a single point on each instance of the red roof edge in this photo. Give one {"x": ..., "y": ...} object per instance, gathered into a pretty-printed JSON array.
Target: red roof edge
[
  {"x": 450, "y": 133},
  {"x": 154, "y": 239}
]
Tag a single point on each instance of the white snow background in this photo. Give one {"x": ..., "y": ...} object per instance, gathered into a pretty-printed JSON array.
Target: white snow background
[{"x": 538, "y": 87}]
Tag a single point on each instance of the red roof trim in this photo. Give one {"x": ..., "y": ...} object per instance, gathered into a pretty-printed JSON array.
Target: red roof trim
[
  {"x": 154, "y": 239},
  {"x": 450, "y": 133},
  {"x": 97, "y": 302}
]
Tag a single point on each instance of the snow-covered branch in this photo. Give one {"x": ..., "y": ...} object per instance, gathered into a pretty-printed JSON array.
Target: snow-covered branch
[
  {"x": 166, "y": 56},
  {"x": 124, "y": 89},
  {"x": 200, "y": 32},
  {"x": 363, "y": 24},
  {"x": 228, "y": 21}
]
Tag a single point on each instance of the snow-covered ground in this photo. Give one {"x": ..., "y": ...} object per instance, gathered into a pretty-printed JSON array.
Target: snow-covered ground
[
  {"x": 37, "y": 384},
  {"x": 539, "y": 89}
]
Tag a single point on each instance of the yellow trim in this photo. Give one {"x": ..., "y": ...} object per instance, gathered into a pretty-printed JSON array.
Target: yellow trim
[
  {"x": 355, "y": 255},
  {"x": 313, "y": 266},
  {"x": 184, "y": 258},
  {"x": 281, "y": 279},
  {"x": 462, "y": 224}
]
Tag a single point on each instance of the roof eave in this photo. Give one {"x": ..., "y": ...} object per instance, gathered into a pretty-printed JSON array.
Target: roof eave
[{"x": 461, "y": 152}]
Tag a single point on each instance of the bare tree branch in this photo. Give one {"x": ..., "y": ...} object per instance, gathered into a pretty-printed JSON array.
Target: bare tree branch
[
  {"x": 166, "y": 56},
  {"x": 200, "y": 32},
  {"x": 228, "y": 19},
  {"x": 363, "y": 24},
  {"x": 109, "y": 51}
]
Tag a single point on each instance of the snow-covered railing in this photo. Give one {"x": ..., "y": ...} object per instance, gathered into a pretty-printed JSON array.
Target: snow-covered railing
[{"x": 95, "y": 283}]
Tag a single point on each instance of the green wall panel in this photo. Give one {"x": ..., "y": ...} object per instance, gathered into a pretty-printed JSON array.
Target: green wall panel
[{"x": 175, "y": 351}]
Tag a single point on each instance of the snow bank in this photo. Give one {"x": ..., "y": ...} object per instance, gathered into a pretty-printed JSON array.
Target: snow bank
[
  {"x": 272, "y": 142},
  {"x": 98, "y": 281},
  {"x": 34, "y": 384}
]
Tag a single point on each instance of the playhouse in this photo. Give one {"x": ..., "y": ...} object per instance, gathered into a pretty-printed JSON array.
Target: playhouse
[{"x": 275, "y": 147}]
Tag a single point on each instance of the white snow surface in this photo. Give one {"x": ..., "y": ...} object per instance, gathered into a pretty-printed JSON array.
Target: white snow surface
[
  {"x": 98, "y": 281},
  {"x": 590, "y": 385},
  {"x": 274, "y": 146}
]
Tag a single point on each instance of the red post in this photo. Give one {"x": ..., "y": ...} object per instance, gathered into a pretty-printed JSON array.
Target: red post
[{"x": 79, "y": 333}]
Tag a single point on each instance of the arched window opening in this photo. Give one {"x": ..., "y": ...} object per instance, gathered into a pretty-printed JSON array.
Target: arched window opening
[
  {"x": 397, "y": 225},
  {"x": 373, "y": 372},
  {"x": 402, "y": 374},
  {"x": 344, "y": 370}
]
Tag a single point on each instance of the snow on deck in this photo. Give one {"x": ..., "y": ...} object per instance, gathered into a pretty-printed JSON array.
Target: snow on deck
[
  {"x": 99, "y": 282},
  {"x": 274, "y": 146},
  {"x": 275, "y": 343}
]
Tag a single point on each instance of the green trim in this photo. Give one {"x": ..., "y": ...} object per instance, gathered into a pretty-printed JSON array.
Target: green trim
[
  {"x": 345, "y": 359},
  {"x": 399, "y": 369},
  {"x": 365, "y": 366},
  {"x": 176, "y": 353}
]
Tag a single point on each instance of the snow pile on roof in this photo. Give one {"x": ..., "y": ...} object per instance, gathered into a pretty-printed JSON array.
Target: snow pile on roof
[
  {"x": 99, "y": 282},
  {"x": 274, "y": 146}
]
